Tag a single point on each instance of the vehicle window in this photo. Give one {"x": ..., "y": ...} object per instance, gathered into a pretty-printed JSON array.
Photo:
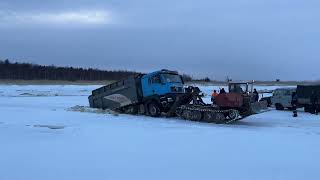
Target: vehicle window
[
  {"x": 276, "y": 93},
  {"x": 171, "y": 78},
  {"x": 242, "y": 88},
  {"x": 155, "y": 79},
  {"x": 232, "y": 88},
  {"x": 239, "y": 88},
  {"x": 288, "y": 93}
]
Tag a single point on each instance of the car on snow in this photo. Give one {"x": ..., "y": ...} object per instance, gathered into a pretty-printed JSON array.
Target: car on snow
[{"x": 281, "y": 98}]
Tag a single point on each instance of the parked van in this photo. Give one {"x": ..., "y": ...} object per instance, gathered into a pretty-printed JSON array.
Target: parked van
[{"x": 282, "y": 97}]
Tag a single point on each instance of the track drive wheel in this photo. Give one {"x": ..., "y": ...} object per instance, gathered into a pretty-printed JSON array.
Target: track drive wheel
[
  {"x": 233, "y": 114},
  {"x": 219, "y": 118},
  {"x": 187, "y": 114},
  {"x": 196, "y": 116},
  {"x": 209, "y": 117}
]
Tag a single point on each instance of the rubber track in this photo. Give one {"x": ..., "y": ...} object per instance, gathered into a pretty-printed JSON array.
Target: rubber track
[{"x": 209, "y": 109}]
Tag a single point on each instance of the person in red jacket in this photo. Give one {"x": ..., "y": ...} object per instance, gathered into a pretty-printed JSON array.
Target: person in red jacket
[{"x": 213, "y": 95}]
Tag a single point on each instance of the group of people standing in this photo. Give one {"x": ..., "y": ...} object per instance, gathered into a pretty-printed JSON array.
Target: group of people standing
[
  {"x": 215, "y": 94},
  {"x": 223, "y": 91}
]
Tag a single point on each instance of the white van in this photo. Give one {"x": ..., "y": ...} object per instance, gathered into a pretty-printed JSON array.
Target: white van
[{"x": 282, "y": 97}]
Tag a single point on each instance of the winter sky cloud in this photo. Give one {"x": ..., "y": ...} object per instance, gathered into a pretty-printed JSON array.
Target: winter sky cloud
[
  {"x": 81, "y": 17},
  {"x": 242, "y": 39}
]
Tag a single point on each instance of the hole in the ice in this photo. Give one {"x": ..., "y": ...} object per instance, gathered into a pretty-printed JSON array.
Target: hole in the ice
[{"x": 49, "y": 126}]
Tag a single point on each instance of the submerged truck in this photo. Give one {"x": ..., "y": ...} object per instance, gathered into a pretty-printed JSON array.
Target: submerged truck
[
  {"x": 149, "y": 94},
  {"x": 159, "y": 93}
]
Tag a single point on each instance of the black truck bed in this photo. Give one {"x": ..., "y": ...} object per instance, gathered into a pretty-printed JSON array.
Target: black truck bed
[{"x": 304, "y": 93}]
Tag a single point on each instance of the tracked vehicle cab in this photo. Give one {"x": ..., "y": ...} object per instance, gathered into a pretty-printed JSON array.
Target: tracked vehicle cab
[
  {"x": 245, "y": 89},
  {"x": 241, "y": 87},
  {"x": 240, "y": 97}
]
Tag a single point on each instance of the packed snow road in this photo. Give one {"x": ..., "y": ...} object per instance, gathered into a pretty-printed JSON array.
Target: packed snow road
[{"x": 46, "y": 134}]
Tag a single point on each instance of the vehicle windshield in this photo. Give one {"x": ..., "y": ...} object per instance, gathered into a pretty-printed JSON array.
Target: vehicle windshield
[
  {"x": 171, "y": 78},
  {"x": 286, "y": 92},
  {"x": 238, "y": 88}
]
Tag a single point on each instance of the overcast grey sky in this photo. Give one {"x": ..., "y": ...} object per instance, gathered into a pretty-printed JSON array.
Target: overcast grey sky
[{"x": 243, "y": 39}]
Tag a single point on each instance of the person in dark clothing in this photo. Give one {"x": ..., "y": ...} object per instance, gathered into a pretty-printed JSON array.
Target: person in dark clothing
[
  {"x": 222, "y": 91},
  {"x": 256, "y": 95},
  {"x": 314, "y": 101},
  {"x": 294, "y": 103}
]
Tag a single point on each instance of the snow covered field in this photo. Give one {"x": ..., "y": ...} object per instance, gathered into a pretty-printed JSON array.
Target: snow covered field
[{"x": 41, "y": 138}]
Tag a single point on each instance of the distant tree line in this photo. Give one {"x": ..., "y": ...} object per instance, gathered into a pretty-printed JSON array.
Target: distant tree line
[
  {"x": 206, "y": 79},
  {"x": 186, "y": 78},
  {"x": 27, "y": 71}
]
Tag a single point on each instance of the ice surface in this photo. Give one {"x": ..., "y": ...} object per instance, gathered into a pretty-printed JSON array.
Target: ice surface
[
  {"x": 46, "y": 90},
  {"x": 46, "y": 135}
]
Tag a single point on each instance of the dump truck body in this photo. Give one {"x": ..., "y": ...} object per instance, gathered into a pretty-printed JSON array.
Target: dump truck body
[
  {"x": 305, "y": 93},
  {"x": 118, "y": 94}
]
